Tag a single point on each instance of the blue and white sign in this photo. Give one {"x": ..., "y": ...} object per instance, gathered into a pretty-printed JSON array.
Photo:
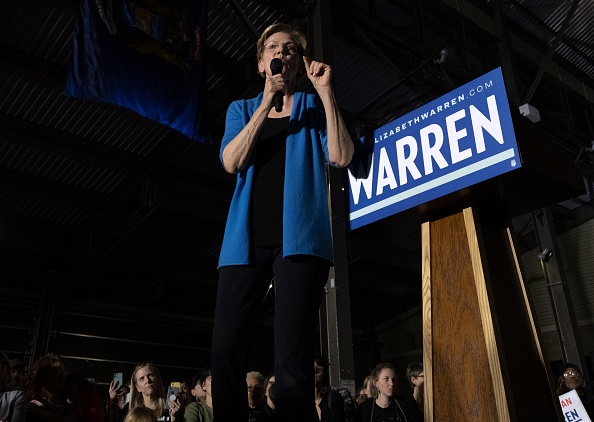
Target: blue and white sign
[
  {"x": 572, "y": 408},
  {"x": 455, "y": 141}
]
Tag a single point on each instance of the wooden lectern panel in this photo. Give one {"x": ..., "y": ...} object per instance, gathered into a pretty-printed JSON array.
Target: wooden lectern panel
[{"x": 482, "y": 356}]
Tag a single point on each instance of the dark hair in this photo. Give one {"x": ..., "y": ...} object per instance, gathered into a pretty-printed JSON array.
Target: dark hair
[
  {"x": 205, "y": 374},
  {"x": 413, "y": 370},
  {"x": 40, "y": 371},
  {"x": 323, "y": 362}
]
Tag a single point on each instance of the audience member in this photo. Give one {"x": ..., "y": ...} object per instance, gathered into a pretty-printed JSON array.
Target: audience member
[
  {"x": 46, "y": 391},
  {"x": 329, "y": 403},
  {"x": 115, "y": 408},
  {"x": 416, "y": 378},
  {"x": 201, "y": 411},
  {"x": 184, "y": 391},
  {"x": 268, "y": 404},
  {"x": 12, "y": 400},
  {"x": 141, "y": 414},
  {"x": 360, "y": 396},
  {"x": 17, "y": 374},
  {"x": 83, "y": 398},
  {"x": 385, "y": 406},
  {"x": 146, "y": 390},
  {"x": 255, "y": 389},
  {"x": 367, "y": 386},
  {"x": 197, "y": 391},
  {"x": 571, "y": 378}
]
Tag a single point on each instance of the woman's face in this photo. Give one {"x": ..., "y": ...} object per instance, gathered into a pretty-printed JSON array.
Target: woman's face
[
  {"x": 572, "y": 379},
  {"x": 280, "y": 45},
  {"x": 55, "y": 378},
  {"x": 270, "y": 384},
  {"x": 361, "y": 396},
  {"x": 145, "y": 381},
  {"x": 386, "y": 382},
  {"x": 319, "y": 374}
]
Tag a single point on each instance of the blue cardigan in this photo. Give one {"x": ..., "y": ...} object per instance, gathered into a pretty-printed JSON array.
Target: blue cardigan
[{"x": 306, "y": 220}]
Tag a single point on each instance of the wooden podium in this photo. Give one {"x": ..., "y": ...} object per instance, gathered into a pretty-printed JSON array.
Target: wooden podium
[{"x": 482, "y": 355}]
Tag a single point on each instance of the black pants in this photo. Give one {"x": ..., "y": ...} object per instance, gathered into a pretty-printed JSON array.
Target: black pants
[{"x": 299, "y": 285}]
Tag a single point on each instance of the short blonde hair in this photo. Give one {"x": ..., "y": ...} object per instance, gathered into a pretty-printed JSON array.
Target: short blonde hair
[
  {"x": 296, "y": 36},
  {"x": 141, "y": 414}
]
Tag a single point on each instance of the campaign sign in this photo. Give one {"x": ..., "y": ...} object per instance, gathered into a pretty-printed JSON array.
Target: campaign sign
[
  {"x": 572, "y": 408},
  {"x": 455, "y": 141}
]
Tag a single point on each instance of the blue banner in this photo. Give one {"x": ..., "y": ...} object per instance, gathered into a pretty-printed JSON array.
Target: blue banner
[
  {"x": 455, "y": 141},
  {"x": 147, "y": 56}
]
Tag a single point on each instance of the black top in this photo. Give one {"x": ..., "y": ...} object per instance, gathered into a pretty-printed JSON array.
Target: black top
[
  {"x": 401, "y": 409},
  {"x": 332, "y": 407},
  {"x": 269, "y": 182}
]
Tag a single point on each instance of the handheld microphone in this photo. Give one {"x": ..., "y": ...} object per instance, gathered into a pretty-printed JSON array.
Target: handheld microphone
[{"x": 276, "y": 67}]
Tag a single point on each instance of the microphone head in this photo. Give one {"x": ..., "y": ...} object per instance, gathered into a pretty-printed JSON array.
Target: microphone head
[{"x": 276, "y": 66}]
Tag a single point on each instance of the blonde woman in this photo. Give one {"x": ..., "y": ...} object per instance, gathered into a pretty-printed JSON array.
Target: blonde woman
[
  {"x": 141, "y": 414},
  {"x": 385, "y": 406},
  {"x": 146, "y": 390}
]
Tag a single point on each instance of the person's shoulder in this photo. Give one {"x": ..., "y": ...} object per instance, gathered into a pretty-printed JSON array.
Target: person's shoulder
[
  {"x": 14, "y": 394},
  {"x": 247, "y": 101},
  {"x": 192, "y": 408}
]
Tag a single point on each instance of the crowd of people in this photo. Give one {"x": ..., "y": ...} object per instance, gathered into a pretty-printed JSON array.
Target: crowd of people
[{"x": 47, "y": 392}]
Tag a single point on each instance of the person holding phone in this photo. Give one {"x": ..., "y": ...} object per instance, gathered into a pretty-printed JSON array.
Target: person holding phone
[
  {"x": 116, "y": 406},
  {"x": 146, "y": 390}
]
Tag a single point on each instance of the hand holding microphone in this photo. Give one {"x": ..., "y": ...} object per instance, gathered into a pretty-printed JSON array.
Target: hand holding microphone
[{"x": 276, "y": 67}]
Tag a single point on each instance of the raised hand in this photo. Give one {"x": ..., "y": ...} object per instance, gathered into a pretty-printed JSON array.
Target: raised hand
[{"x": 320, "y": 74}]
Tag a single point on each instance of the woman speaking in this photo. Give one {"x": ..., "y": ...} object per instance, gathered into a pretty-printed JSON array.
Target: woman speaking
[{"x": 278, "y": 224}]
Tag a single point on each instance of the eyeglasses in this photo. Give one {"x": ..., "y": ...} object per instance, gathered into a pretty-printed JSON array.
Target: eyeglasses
[
  {"x": 570, "y": 374},
  {"x": 273, "y": 47}
]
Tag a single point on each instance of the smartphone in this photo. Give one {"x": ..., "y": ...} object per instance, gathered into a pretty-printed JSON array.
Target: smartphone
[
  {"x": 172, "y": 393},
  {"x": 118, "y": 378}
]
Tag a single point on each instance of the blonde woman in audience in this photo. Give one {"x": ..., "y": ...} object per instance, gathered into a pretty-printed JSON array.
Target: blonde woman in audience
[
  {"x": 13, "y": 406},
  {"x": 385, "y": 405},
  {"x": 146, "y": 390},
  {"x": 367, "y": 386},
  {"x": 140, "y": 414}
]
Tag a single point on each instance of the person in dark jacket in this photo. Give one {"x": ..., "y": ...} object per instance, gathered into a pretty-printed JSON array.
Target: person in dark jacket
[{"x": 329, "y": 403}]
